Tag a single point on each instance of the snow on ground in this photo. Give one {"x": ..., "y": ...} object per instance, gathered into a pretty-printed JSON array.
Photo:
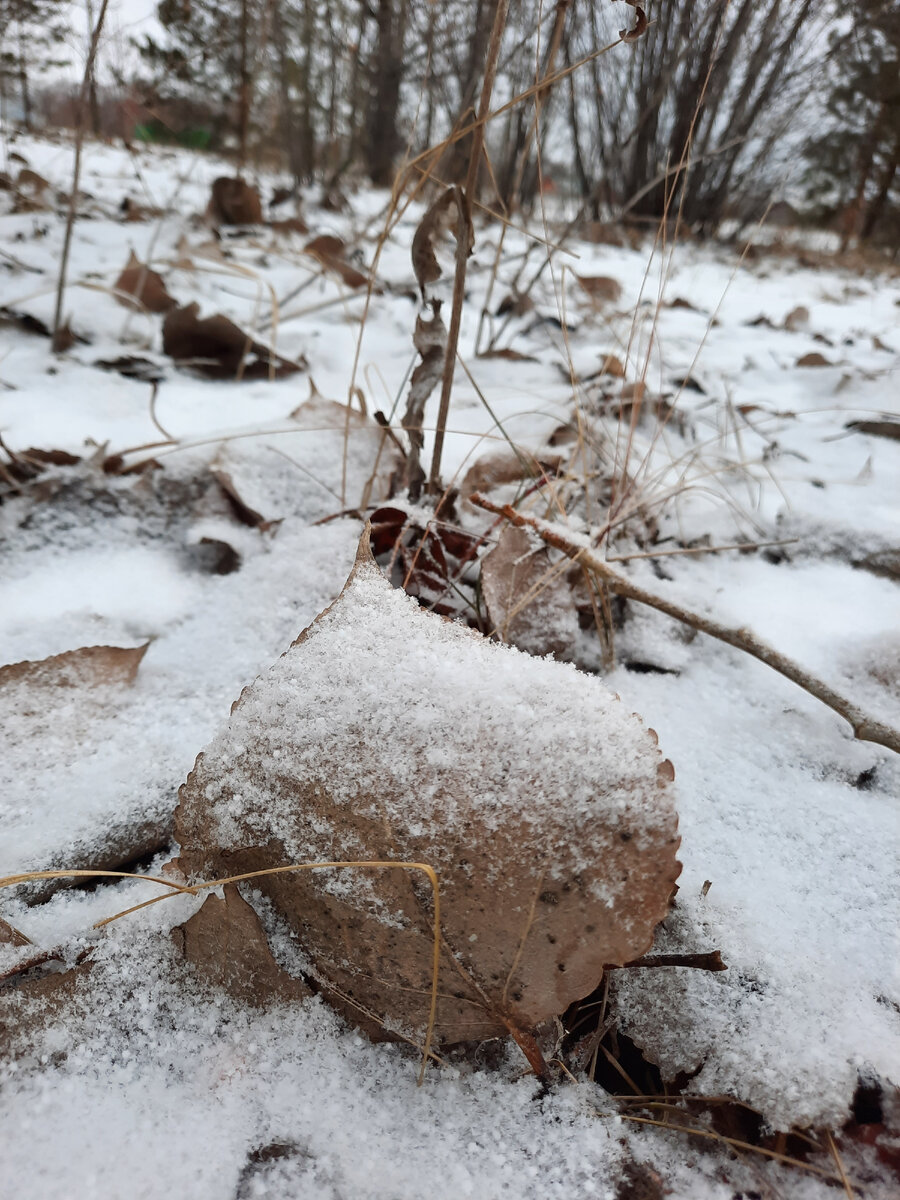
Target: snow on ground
[{"x": 139, "y": 1082}]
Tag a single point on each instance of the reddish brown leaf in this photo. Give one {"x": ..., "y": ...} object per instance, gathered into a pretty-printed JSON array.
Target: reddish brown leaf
[
  {"x": 638, "y": 29},
  {"x": 234, "y": 202},
  {"x": 216, "y": 347},
  {"x": 141, "y": 289},
  {"x": 330, "y": 251},
  {"x": 815, "y": 359}
]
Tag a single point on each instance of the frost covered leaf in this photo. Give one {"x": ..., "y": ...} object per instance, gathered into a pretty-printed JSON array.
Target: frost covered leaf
[
  {"x": 386, "y": 733},
  {"x": 529, "y": 602},
  {"x": 226, "y": 944},
  {"x": 141, "y": 289},
  {"x": 91, "y": 666}
]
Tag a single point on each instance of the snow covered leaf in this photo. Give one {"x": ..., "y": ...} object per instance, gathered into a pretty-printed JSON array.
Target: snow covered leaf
[
  {"x": 142, "y": 289},
  {"x": 386, "y": 733},
  {"x": 529, "y": 602}
]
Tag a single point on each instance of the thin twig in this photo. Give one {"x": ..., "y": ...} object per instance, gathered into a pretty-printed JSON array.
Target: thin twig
[{"x": 865, "y": 727}]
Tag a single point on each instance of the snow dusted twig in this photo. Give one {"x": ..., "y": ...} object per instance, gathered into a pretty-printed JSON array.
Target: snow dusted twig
[{"x": 865, "y": 727}]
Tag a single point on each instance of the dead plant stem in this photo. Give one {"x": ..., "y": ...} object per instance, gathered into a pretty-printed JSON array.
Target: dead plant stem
[{"x": 462, "y": 242}]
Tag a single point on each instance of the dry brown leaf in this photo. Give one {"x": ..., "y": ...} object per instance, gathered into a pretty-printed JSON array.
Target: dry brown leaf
[
  {"x": 815, "y": 359},
  {"x": 680, "y": 302},
  {"x": 430, "y": 339},
  {"x": 289, "y": 225},
  {"x": 30, "y": 179},
  {"x": 234, "y": 202},
  {"x": 10, "y": 936},
  {"x": 612, "y": 365},
  {"x": 448, "y": 214},
  {"x": 91, "y": 666},
  {"x": 797, "y": 319},
  {"x": 503, "y": 466},
  {"x": 640, "y": 25},
  {"x": 330, "y": 252},
  {"x": 601, "y": 288},
  {"x": 243, "y": 511},
  {"x": 508, "y": 354},
  {"x": 226, "y": 944},
  {"x": 217, "y": 347},
  {"x": 887, "y": 428},
  {"x": 530, "y": 604},
  {"x": 141, "y": 289},
  {"x": 388, "y": 734}
]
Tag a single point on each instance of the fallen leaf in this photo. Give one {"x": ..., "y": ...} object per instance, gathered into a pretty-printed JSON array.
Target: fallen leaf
[
  {"x": 503, "y": 466},
  {"x": 886, "y": 428},
  {"x": 330, "y": 251},
  {"x": 63, "y": 338},
  {"x": 216, "y": 347},
  {"x": 132, "y": 366},
  {"x": 529, "y": 604},
  {"x": 225, "y": 943},
  {"x": 797, "y": 319},
  {"x": 142, "y": 289},
  {"x": 680, "y": 302},
  {"x": 388, "y": 734},
  {"x": 815, "y": 359},
  {"x": 91, "y": 666},
  {"x": 508, "y": 354},
  {"x": 289, "y": 225},
  {"x": 234, "y": 202},
  {"x": 601, "y": 288},
  {"x": 31, "y": 180},
  {"x": 10, "y": 936},
  {"x": 612, "y": 365}
]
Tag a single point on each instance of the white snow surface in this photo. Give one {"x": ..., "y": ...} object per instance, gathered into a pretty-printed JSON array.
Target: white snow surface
[{"x": 144, "y": 1084}]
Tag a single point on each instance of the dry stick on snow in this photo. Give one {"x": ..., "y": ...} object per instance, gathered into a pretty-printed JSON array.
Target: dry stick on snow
[
  {"x": 76, "y": 170},
  {"x": 462, "y": 241},
  {"x": 865, "y": 727}
]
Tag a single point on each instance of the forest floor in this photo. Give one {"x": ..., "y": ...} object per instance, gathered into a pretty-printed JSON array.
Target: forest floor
[{"x": 121, "y": 1070}]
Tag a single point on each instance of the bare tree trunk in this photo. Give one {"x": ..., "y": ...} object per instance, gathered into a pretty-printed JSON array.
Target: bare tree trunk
[
  {"x": 382, "y": 136},
  {"x": 244, "y": 89},
  {"x": 288, "y": 125},
  {"x": 877, "y": 204},
  {"x": 23, "y": 82}
]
